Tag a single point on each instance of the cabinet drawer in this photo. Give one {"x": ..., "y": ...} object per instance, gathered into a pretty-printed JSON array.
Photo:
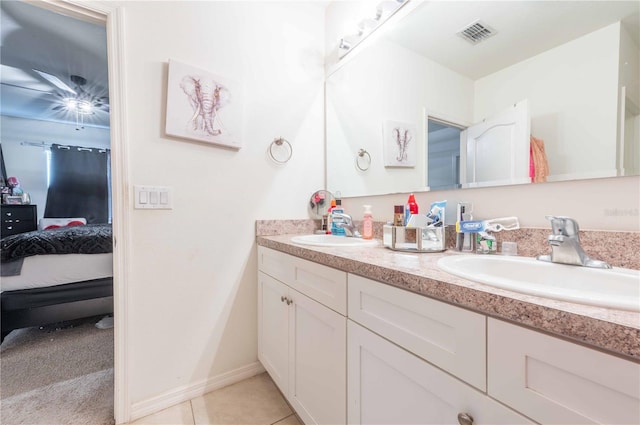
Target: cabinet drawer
[
  {"x": 275, "y": 264},
  {"x": 449, "y": 337},
  {"x": 324, "y": 284},
  {"x": 555, "y": 381},
  {"x": 13, "y": 212},
  {"x": 17, "y": 219}
]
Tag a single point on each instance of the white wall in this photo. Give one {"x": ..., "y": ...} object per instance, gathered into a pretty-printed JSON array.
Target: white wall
[
  {"x": 573, "y": 98},
  {"x": 28, "y": 163},
  {"x": 191, "y": 291}
]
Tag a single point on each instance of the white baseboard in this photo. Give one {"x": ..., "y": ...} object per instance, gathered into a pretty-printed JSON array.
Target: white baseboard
[{"x": 187, "y": 392}]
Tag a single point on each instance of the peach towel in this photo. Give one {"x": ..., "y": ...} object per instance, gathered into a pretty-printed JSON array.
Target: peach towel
[{"x": 540, "y": 165}]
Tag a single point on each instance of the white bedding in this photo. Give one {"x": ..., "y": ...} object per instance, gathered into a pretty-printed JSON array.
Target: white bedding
[{"x": 49, "y": 270}]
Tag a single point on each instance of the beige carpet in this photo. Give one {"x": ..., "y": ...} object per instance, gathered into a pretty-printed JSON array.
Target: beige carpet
[{"x": 57, "y": 375}]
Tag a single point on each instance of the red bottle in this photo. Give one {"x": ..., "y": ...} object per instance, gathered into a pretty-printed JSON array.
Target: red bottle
[
  {"x": 410, "y": 209},
  {"x": 413, "y": 206}
]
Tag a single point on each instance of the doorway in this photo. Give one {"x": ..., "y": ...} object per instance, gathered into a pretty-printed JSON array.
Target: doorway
[
  {"x": 111, "y": 18},
  {"x": 443, "y": 154}
]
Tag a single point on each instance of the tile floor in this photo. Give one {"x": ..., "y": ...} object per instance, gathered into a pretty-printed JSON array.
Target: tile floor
[{"x": 254, "y": 401}]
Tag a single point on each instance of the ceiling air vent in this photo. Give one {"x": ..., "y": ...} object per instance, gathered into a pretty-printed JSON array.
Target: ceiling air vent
[{"x": 476, "y": 32}]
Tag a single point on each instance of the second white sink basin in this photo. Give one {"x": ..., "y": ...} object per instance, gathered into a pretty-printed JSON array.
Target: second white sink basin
[
  {"x": 613, "y": 288},
  {"x": 332, "y": 240}
]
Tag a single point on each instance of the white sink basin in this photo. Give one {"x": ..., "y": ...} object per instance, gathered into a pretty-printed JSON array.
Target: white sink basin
[
  {"x": 613, "y": 288},
  {"x": 332, "y": 240}
]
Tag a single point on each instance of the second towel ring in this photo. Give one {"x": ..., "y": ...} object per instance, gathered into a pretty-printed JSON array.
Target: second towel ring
[
  {"x": 364, "y": 156},
  {"x": 281, "y": 142}
]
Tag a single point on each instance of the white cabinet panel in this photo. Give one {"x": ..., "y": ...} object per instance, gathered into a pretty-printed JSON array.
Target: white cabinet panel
[
  {"x": 301, "y": 342},
  {"x": 317, "y": 354},
  {"x": 326, "y": 285},
  {"x": 275, "y": 264},
  {"x": 273, "y": 329},
  {"x": 388, "y": 385},
  {"x": 555, "y": 381},
  {"x": 449, "y": 337}
]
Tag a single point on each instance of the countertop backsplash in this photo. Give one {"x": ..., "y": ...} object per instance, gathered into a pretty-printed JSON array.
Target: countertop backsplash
[{"x": 620, "y": 249}]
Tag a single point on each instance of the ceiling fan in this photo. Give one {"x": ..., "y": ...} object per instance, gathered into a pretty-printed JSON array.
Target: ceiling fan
[{"x": 78, "y": 100}]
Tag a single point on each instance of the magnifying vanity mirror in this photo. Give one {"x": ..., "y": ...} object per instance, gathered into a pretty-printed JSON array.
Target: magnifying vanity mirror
[
  {"x": 319, "y": 203},
  {"x": 445, "y": 68}
]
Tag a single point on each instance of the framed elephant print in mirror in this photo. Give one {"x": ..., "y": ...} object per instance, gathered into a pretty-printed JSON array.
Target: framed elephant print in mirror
[{"x": 203, "y": 106}]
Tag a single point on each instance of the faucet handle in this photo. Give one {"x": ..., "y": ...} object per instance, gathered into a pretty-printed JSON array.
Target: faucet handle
[{"x": 561, "y": 225}]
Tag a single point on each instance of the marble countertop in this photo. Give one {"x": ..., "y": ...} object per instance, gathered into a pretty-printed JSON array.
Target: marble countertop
[{"x": 614, "y": 331}]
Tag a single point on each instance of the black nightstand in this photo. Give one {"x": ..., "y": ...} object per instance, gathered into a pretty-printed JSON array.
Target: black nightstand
[{"x": 18, "y": 219}]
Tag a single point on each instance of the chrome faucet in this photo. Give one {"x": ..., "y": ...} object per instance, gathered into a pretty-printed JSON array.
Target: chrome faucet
[
  {"x": 565, "y": 245},
  {"x": 346, "y": 222}
]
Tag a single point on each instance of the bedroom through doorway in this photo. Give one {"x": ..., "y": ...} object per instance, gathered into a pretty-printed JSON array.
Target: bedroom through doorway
[{"x": 57, "y": 352}]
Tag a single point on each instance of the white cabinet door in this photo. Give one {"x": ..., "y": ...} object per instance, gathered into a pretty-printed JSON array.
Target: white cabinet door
[
  {"x": 388, "y": 385},
  {"x": 317, "y": 355},
  {"x": 555, "y": 381},
  {"x": 273, "y": 329}
]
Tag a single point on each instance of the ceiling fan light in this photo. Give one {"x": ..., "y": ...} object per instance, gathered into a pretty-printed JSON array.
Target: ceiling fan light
[
  {"x": 70, "y": 103},
  {"x": 84, "y": 106}
]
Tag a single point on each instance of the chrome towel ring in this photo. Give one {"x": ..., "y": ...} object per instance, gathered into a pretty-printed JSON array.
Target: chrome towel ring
[
  {"x": 363, "y": 158},
  {"x": 280, "y": 150}
]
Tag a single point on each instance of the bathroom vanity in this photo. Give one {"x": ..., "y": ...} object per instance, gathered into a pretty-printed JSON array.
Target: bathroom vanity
[{"x": 369, "y": 335}]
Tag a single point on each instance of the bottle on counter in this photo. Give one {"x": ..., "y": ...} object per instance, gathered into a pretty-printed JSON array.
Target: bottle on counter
[
  {"x": 337, "y": 230},
  {"x": 410, "y": 209},
  {"x": 367, "y": 223},
  {"x": 329, "y": 218}
]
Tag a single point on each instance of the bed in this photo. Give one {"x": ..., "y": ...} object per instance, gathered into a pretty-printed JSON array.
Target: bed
[{"x": 55, "y": 275}]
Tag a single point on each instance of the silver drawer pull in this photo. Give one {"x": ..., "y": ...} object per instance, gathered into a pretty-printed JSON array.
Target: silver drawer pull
[
  {"x": 9, "y": 227},
  {"x": 8, "y": 214},
  {"x": 465, "y": 419}
]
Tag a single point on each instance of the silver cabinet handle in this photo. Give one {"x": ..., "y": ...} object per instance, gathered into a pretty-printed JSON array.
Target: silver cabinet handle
[
  {"x": 283, "y": 298},
  {"x": 465, "y": 419},
  {"x": 289, "y": 302}
]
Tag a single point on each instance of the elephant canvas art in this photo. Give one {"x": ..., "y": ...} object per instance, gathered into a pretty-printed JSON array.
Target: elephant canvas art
[
  {"x": 203, "y": 106},
  {"x": 400, "y": 144},
  {"x": 206, "y": 97}
]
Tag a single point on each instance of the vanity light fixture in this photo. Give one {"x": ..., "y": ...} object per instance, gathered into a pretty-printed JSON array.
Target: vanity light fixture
[{"x": 384, "y": 10}]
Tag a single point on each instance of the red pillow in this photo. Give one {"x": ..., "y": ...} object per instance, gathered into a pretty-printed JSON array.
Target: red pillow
[
  {"x": 53, "y": 226},
  {"x": 75, "y": 223}
]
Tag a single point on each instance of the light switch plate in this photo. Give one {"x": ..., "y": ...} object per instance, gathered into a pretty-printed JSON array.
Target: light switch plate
[{"x": 153, "y": 197}]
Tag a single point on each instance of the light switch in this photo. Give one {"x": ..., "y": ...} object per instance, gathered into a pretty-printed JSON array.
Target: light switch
[
  {"x": 152, "y": 197},
  {"x": 164, "y": 197},
  {"x": 143, "y": 196}
]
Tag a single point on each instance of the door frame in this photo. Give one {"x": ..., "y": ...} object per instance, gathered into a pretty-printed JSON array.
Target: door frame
[{"x": 113, "y": 18}]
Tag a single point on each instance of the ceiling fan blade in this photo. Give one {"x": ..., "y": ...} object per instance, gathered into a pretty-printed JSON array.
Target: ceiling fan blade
[{"x": 55, "y": 81}]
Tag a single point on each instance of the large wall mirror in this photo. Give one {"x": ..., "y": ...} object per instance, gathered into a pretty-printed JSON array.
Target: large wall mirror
[{"x": 413, "y": 96}]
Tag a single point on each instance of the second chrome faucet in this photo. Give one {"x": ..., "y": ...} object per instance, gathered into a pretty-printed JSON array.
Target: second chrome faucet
[{"x": 565, "y": 244}]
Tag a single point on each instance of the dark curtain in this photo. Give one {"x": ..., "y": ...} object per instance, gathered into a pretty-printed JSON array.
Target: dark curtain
[{"x": 78, "y": 184}]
